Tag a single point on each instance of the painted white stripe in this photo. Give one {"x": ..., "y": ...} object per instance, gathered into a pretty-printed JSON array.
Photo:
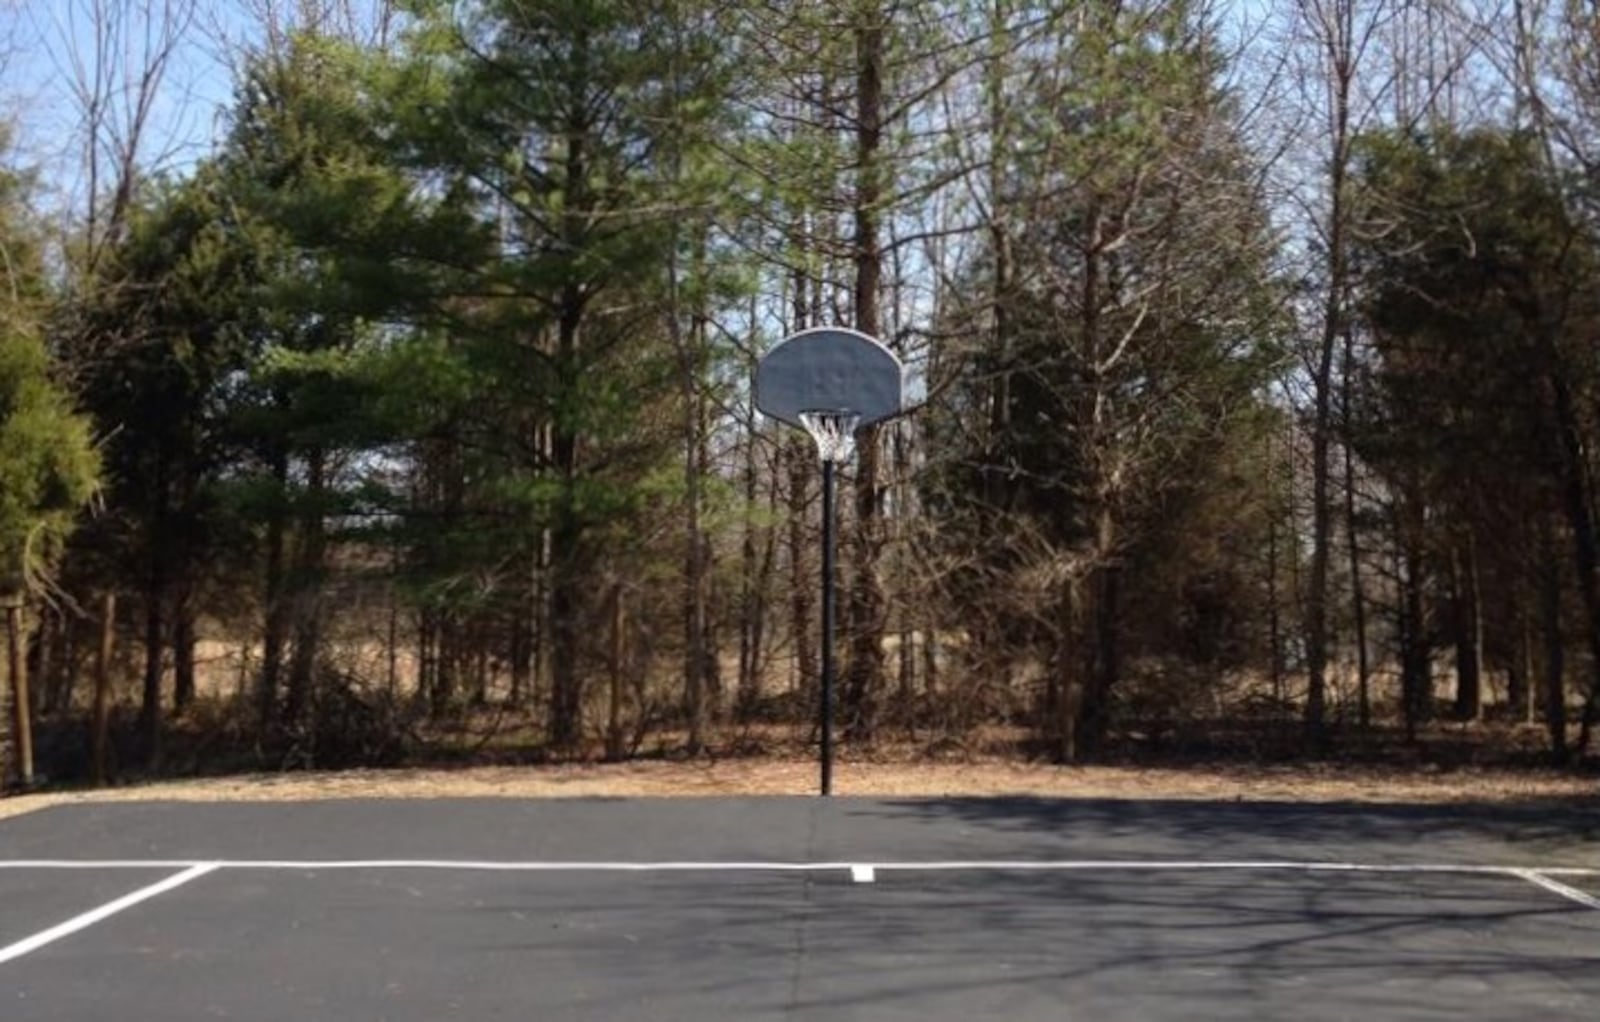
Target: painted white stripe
[
  {"x": 1540, "y": 878},
  {"x": 859, "y": 872},
  {"x": 778, "y": 866},
  {"x": 105, "y": 911},
  {"x": 99, "y": 863}
]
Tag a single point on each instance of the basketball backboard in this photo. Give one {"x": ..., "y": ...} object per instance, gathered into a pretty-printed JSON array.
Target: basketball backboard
[{"x": 829, "y": 370}]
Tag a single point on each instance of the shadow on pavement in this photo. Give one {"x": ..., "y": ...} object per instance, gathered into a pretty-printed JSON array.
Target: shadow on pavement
[{"x": 1547, "y": 834}]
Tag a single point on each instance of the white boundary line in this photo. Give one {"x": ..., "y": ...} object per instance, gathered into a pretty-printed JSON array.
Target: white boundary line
[
  {"x": 110, "y": 908},
  {"x": 860, "y": 872},
  {"x": 1542, "y": 879},
  {"x": 780, "y": 866}
]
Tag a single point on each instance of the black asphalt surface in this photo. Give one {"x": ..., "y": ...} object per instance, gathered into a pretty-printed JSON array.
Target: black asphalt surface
[{"x": 1107, "y": 943}]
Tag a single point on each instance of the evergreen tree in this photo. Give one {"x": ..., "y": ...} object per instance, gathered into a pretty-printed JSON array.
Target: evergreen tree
[
  {"x": 1477, "y": 287},
  {"x": 48, "y": 467},
  {"x": 562, "y": 122}
]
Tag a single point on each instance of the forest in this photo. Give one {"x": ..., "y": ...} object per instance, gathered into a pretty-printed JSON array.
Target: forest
[{"x": 405, "y": 417}]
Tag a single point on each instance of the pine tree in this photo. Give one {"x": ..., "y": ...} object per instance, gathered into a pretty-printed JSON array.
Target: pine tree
[
  {"x": 48, "y": 467},
  {"x": 564, "y": 123}
]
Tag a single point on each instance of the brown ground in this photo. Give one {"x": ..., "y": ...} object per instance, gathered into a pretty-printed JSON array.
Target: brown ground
[{"x": 797, "y": 776}]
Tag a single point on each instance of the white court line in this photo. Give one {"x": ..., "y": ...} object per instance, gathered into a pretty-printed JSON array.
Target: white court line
[
  {"x": 1540, "y": 878},
  {"x": 860, "y": 872},
  {"x": 778, "y": 866},
  {"x": 105, "y": 911}
]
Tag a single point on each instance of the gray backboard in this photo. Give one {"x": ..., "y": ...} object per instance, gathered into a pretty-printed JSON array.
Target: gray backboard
[{"x": 829, "y": 369}]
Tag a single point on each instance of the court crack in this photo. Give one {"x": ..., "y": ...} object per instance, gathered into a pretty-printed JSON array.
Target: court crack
[{"x": 797, "y": 953}]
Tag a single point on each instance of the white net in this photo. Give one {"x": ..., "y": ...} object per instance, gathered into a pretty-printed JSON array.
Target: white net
[{"x": 834, "y": 432}]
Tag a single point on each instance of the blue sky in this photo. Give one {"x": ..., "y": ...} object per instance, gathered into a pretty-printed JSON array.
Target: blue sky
[{"x": 40, "y": 40}]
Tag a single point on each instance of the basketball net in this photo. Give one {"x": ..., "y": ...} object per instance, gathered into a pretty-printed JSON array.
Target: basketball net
[{"x": 834, "y": 432}]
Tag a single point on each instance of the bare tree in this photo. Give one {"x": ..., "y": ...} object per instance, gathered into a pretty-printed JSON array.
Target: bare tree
[
  {"x": 117, "y": 57},
  {"x": 267, "y": 25},
  {"x": 1336, "y": 39}
]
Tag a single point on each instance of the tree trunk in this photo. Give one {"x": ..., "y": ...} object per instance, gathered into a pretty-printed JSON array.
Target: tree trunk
[
  {"x": 615, "y": 748},
  {"x": 521, "y": 650},
  {"x": 154, "y": 649},
  {"x": 866, "y": 616},
  {"x": 446, "y": 646},
  {"x": 1576, "y": 489},
  {"x": 307, "y": 596},
  {"x": 1468, "y": 626},
  {"x": 1103, "y": 647},
  {"x": 1416, "y": 676},
  {"x": 277, "y": 616},
  {"x": 480, "y": 668},
  {"x": 1316, "y": 601},
  {"x": 710, "y": 644},
  {"x": 1339, "y": 45},
  {"x": 1097, "y": 412},
  {"x": 1520, "y": 672},
  {"x": 567, "y": 569},
  {"x": 694, "y": 549},
  {"x": 1274, "y": 614},
  {"x": 100, "y": 725},
  {"x": 1358, "y": 602},
  {"x": 392, "y": 646},
  {"x": 907, "y": 649},
  {"x": 752, "y": 597},
  {"x": 64, "y": 666},
  {"x": 539, "y": 641},
  {"x": 995, "y": 483},
  {"x": 427, "y": 644},
  {"x": 43, "y": 680},
  {"x": 1067, "y": 677},
  {"x": 183, "y": 645},
  {"x": 21, "y": 704},
  {"x": 567, "y": 579},
  {"x": 566, "y": 705},
  {"x": 1555, "y": 649},
  {"x": 802, "y": 583}
]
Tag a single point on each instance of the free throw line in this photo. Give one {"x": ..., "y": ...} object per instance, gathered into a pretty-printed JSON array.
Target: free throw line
[{"x": 110, "y": 908}]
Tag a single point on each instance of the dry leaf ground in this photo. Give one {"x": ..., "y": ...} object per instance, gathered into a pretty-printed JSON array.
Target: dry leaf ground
[{"x": 798, "y": 776}]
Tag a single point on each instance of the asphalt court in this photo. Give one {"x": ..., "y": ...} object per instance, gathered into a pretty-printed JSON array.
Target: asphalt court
[{"x": 799, "y": 909}]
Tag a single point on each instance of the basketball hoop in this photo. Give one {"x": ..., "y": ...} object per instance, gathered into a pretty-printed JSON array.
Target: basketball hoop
[
  {"x": 809, "y": 380},
  {"x": 834, "y": 432}
]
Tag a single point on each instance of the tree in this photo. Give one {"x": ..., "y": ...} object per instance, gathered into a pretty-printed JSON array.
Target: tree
[
  {"x": 563, "y": 123},
  {"x": 1340, "y": 35},
  {"x": 116, "y": 56},
  {"x": 350, "y": 258},
  {"x": 48, "y": 467},
  {"x": 1138, "y": 328},
  {"x": 156, "y": 339},
  {"x": 1477, "y": 286}
]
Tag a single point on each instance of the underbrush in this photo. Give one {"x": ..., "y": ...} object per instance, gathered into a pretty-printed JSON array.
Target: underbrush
[{"x": 1170, "y": 721}]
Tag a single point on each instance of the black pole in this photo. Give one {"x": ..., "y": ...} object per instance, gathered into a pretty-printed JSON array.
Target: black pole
[{"x": 826, "y": 712}]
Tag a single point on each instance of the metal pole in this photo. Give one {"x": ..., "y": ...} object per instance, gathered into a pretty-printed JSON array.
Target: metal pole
[{"x": 826, "y": 712}]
